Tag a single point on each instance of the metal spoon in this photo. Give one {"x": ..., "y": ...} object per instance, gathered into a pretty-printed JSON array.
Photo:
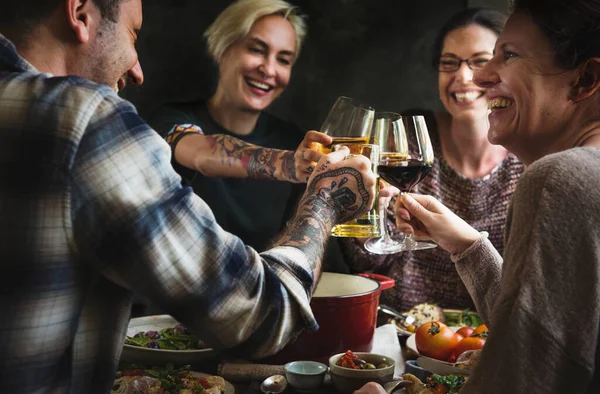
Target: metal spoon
[
  {"x": 273, "y": 384},
  {"x": 391, "y": 386},
  {"x": 407, "y": 319}
]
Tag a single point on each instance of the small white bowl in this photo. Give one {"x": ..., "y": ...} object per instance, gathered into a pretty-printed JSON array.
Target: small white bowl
[{"x": 305, "y": 376}]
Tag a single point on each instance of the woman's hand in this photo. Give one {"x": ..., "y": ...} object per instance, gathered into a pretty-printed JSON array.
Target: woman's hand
[
  {"x": 429, "y": 219},
  {"x": 386, "y": 193},
  {"x": 307, "y": 156}
]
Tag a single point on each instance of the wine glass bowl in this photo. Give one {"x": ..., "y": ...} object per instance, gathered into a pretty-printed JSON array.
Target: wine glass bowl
[
  {"x": 348, "y": 122},
  {"x": 406, "y": 157}
]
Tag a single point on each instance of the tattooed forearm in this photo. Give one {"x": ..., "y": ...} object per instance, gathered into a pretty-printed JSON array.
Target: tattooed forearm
[
  {"x": 288, "y": 166},
  {"x": 342, "y": 198},
  {"x": 260, "y": 163},
  {"x": 309, "y": 229},
  {"x": 332, "y": 197}
]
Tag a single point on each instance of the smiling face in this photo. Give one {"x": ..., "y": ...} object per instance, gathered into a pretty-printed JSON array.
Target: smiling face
[
  {"x": 528, "y": 93},
  {"x": 112, "y": 58},
  {"x": 255, "y": 70},
  {"x": 460, "y": 96}
]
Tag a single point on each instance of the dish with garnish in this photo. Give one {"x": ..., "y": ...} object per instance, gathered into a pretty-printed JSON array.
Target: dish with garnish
[
  {"x": 160, "y": 340},
  {"x": 427, "y": 312},
  {"x": 169, "y": 380}
]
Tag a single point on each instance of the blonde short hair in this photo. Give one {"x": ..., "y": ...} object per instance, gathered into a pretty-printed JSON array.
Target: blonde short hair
[{"x": 235, "y": 22}]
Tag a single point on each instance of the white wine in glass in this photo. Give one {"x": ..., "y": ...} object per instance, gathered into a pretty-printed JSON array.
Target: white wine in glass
[{"x": 348, "y": 122}]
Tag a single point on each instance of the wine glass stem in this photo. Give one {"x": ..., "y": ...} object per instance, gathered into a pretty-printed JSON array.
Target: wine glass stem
[
  {"x": 383, "y": 222},
  {"x": 409, "y": 240}
]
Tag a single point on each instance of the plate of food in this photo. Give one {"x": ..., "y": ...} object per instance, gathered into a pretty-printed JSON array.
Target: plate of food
[
  {"x": 445, "y": 350},
  {"x": 161, "y": 340},
  {"x": 427, "y": 312},
  {"x": 162, "y": 380},
  {"x": 434, "y": 384},
  {"x": 411, "y": 342}
]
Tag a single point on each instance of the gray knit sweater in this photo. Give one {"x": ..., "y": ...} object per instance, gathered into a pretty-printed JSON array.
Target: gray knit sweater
[
  {"x": 429, "y": 275},
  {"x": 542, "y": 303}
]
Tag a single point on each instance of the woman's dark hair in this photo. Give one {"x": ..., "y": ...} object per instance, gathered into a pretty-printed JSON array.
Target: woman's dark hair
[
  {"x": 483, "y": 17},
  {"x": 571, "y": 26}
]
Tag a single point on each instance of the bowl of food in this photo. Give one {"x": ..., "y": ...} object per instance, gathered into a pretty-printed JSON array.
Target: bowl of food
[
  {"x": 426, "y": 312},
  {"x": 161, "y": 340},
  {"x": 305, "y": 376},
  {"x": 350, "y": 371},
  {"x": 413, "y": 368}
]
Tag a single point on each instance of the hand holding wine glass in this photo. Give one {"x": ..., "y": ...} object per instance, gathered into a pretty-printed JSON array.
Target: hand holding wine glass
[
  {"x": 349, "y": 124},
  {"x": 406, "y": 158},
  {"x": 428, "y": 218},
  {"x": 388, "y": 134}
]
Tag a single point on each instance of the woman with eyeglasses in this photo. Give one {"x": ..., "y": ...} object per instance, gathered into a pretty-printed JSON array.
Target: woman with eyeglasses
[{"x": 471, "y": 176}]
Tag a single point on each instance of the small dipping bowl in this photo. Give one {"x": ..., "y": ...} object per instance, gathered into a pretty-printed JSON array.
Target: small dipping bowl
[
  {"x": 412, "y": 367},
  {"x": 347, "y": 380},
  {"x": 305, "y": 376}
]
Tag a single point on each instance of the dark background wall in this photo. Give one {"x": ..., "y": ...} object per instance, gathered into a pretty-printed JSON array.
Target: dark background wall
[{"x": 377, "y": 51}]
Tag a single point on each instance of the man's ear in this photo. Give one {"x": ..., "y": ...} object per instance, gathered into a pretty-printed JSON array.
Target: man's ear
[
  {"x": 589, "y": 80},
  {"x": 82, "y": 16}
]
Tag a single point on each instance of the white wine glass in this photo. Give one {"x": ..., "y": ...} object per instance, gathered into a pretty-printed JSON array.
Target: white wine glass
[
  {"x": 348, "y": 122},
  {"x": 406, "y": 157}
]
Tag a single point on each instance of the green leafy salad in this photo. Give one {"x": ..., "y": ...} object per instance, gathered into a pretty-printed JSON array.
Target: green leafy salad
[
  {"x": 172, "y": 338},
  {"x": 462, "y": 318}
]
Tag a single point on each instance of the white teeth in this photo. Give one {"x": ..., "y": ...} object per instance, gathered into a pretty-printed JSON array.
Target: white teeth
[
  {"x": 499, "y": 102},
  {"x": 258, "y": 85},
  {"x": 467, "y": 96}
]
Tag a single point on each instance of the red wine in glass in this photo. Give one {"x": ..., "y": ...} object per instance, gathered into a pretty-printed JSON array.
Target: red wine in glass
[{"x": 404, "y": 174}]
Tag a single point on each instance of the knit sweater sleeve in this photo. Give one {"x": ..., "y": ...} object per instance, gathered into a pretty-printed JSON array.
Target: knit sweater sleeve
[
  {"x": 480, "y": 269},
  {"x": 545, "y": 318}
]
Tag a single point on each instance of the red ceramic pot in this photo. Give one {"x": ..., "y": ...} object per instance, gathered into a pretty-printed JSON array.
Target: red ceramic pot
[{"x": 345, "y": 306}]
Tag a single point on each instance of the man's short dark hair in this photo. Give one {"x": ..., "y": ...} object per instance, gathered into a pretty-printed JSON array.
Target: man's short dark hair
[{"x": 20, "y": 17}]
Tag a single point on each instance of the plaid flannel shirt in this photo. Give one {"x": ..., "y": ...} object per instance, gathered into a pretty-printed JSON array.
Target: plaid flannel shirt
[{"x": 91, "y": 211}]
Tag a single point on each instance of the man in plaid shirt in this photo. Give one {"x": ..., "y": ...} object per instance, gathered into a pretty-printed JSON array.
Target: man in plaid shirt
[{"x": 91, "y": 211}]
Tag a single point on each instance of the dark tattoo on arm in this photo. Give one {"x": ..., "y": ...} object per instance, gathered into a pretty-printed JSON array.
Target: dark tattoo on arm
[
  {"x": 260, "y": 163},
  {"x": 328, "y": 200},
  {"x": 288, "y": 167}
]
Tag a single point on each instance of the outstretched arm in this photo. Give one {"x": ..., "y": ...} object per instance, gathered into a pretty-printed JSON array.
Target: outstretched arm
[
  {"x": 338, "y": 191},
  {"x": 225, "y": 156}
]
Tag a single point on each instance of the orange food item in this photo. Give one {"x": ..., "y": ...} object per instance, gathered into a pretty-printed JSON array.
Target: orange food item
[
  {"x": 347, "y": 360},
  {"x": 465, "y": 331},
  {"x": 469, "y": 343},
  {"x": 436, "y": 340},
  {"x": 481, "y": 330}
]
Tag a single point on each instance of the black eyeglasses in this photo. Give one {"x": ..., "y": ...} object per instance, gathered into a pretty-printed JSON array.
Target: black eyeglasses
[{"x": 448, "y": 63}]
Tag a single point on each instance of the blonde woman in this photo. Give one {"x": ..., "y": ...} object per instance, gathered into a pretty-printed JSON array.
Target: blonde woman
[{"x": 255, "y": 44}]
